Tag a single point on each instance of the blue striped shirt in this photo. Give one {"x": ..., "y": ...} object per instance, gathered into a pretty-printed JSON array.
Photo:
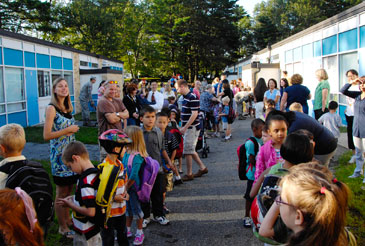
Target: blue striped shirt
[{"x": 190, "y": 104}]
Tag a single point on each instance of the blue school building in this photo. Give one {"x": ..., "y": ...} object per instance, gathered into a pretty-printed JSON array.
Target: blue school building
[
  {"x": 29, "y": 65},
  {"x": 336, "y": 44}
]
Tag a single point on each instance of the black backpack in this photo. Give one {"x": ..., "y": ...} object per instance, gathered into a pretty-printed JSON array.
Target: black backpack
[
  {"x": 242, "y": 159},
  {"x": 33, "y": 179}
]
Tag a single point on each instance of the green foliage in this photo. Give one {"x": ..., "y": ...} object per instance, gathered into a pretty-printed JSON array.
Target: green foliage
[{"x": 356, "y": 213}]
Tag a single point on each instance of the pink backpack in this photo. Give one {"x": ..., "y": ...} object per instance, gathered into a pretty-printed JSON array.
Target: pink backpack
[{"x": 147, "y": 176}]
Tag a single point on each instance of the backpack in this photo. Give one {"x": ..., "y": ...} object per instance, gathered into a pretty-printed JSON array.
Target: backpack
[
  {"x": 108, "y": 183},
  {"x": 180, "y": 140},
  {"x": 33, "y": 179},
  {"x": 231, "y": 114},
  {"x": 261, "y": 205},
  {"x": 243, "y": 167},
  {"x": 147, "y": 176}
]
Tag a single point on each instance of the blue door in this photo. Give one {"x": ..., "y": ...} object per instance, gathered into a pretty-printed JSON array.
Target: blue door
[{"x": 32, "y": 96}]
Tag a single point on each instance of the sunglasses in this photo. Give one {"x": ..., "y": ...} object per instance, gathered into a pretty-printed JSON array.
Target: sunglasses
[{"x": 113, "y": 82}]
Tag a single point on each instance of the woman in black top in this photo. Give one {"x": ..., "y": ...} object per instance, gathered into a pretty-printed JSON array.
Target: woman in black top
[
  {"x": 132, "y": 104},
  {"x": 258, "y": 94}
]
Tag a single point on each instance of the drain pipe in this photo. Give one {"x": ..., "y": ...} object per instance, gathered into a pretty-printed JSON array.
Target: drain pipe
[{"x": 256, "y": 72}]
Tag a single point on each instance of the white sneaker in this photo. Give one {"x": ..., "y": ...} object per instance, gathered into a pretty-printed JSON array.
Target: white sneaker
[
  {"x": 352, "y": 160},
  {"x": 161, "y": 219},
  {"x": 355, "y": 175},
  {"x": 146, "y": 222}
]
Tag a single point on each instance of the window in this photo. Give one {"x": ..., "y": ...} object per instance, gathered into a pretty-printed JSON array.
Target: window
[
  {"x": 2, "y": 98},
  {"x": 347, "y": 40},
  {"x": 94, "y": 65},
  {"x": 297, "y": 54},
  {"x": 55, "y": 75},
  {"x": 330, "y": 45},
  {"x": 44, "y": 84},
  {"x": 14, "y": 82},
  {"x": 69, "y": 79},
  {"x": 347, "y": 62},
  {"x": 317, "y": 51},
  {"x": 362, "y": 36},
  {"x": 84, "y": 63},
  {"x": 330, "y": 65},
  {"x": 307, "y": 51},
  {"x": 288, "y": 56}
]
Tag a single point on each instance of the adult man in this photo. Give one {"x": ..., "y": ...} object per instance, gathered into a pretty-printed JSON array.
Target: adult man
[
  {"x": 155, "y": 96},
  {"x": 110, "y": 111},
  {"x": 190, "y": 129},
  {"x": 86, "y": 97}
]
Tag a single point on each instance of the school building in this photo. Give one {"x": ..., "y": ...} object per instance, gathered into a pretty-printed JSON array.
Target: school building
[
  {"x": 29, "y": 65},
  {"x": 336, "y": 44}
]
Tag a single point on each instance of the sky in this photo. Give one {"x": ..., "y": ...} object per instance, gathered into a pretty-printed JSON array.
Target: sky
[{"x": 249, "y": 5}]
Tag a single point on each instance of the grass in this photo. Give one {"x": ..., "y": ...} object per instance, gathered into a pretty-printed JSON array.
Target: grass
[
  {"x": 87, "y": 135},
  {"x": 343, "y": 129},
  {"x": 79, "y": 117},
  {"x": 356, "y": 213}
]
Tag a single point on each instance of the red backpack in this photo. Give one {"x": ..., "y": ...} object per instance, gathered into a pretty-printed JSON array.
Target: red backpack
[{"x": 179, "y": 138}]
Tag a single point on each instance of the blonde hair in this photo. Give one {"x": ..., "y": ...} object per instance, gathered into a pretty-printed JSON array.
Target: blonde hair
[
  {"x": 67, "y": 105},
  {"x": 136, "y": 135},
  {"x": 12, "y": 137},
  {"x": 226, "y": 99},
  {"x": 322, "y": 74},
  {"x": 296, "y": 79},
  {"x": 296, "y": 107},
  {"x": 168, "y": 87},
  {"x": 215, "y": 81},
  {"x": 312, "y": 189}
]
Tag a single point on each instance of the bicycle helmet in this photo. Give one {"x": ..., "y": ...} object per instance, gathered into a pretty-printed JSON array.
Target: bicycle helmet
[{"x": 113, "y": 138}]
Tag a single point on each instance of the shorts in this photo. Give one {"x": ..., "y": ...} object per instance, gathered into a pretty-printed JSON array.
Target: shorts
[
  {"x": 190, "y": 139},
  {"x": 225, "y": 124},
  {"x": 248, "y": 190},
  {"x": 65, "y": 181},
  {"x": 133, "y": 204},
  {"x": 169, "y": 181}
]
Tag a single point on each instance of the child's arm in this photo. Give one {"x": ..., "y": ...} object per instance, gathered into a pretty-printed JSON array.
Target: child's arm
[
  {"x": 256, "y": 186},
  {"x": 122, "y": 197},
  {"x": 260, "y": 164},
  {"x": 167, "y": 159},
  {"x": 267, "y": 226},
  {"x": 68, "y": 202}
]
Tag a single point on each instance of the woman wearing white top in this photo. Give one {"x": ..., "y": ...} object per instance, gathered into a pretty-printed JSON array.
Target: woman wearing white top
[
  {"x": 349, "y": 114},
  {"x": 168, "y": 92}
]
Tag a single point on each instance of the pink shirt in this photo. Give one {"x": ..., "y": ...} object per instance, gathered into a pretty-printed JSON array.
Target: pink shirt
[
  {"x": 265, "y": 158},
  {"x": 197, "y": 93}
]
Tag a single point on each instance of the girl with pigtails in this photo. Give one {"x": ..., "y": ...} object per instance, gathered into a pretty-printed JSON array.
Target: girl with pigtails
[{"x": 313, "y": 204}]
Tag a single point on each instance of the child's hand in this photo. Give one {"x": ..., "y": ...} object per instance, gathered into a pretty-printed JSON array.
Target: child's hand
[
  {"x": 125, "y": 196},
  {"x": 65, "y": 202}
]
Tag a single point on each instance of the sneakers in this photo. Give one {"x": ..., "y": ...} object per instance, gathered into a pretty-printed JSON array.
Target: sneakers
[
  {"x": 146, "y": 222},
  {"x": 129, "y": 234},
  {"x": 178, "y": 182},
  {"x": 187, "y": 177},
  {"x": 201, "y": 173},
  {"x": 138, "y": 240},
  {"x": 247, "y": 222},
  {"x": 355, "y": 175},
  {"x": 161, "y": 220},
  {"x": 352, "y": 160}
]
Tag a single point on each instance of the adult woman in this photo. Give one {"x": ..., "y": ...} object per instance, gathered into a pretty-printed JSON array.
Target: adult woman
[
  {"x": 358, "y": 129},
  {"x": 258, "y": 94},
  {"x": 235, "y": 86},
  {"x": 18, "y": 224},
  {"x": 321, "y": 96},
  {"x": 283, "y": 84},
  {"x": 229, "y": 93},
  {"x": 168, "y": 92},
  {"x": 273, "y": 93},
  {"x": 59, "y": 128},
  {"x": 132, "y": 104},
  {"x": 296, "y": 93}
]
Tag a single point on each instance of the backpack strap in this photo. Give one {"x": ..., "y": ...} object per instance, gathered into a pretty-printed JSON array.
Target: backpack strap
[
  {"x": 255, "y": 143},
  {"x": 130, "y": 161}
]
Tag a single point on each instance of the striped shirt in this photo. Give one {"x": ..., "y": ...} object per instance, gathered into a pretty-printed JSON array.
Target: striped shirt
[
  {"x": 190, "y": 104},
  {"x": 85, "y": 195}
]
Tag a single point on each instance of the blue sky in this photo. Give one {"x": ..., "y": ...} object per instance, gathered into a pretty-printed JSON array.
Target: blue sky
[{"x": 248, "y": 5}]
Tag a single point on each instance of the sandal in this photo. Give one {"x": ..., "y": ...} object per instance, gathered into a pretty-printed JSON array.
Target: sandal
[{"x": 67, "y": 234}]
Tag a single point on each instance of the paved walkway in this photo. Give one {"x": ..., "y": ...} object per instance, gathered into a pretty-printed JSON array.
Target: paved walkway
[{"x": 206, "y": 211}]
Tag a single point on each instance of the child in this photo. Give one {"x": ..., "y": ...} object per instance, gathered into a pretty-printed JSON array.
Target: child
[
  {"x": 155, "y": 147},
  {"x": 256, "y": 127},
  {"x": 313, "y": 205},
  {"x": 171, "y": 146},
  {"x": 12, "y": 142},
  {"x": 216, "y": 109},
  {"x": 137, "y": 151},
  {"x": 269, "y": 154},
  {"x": 19, "y": 224},
  {"x": 224, "y": 115},
  {"x": 76, "y": 157},
  {"x": 269, "y": 105},
  {"x": 296, "y": 107},
  {"x": 172, "y": 103},
  {"x": 113, "y": 141},
  {"x": 331, "y": 120},
  {"x": 173, "y": 128},
  {"x": 265, "y": 134}
]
